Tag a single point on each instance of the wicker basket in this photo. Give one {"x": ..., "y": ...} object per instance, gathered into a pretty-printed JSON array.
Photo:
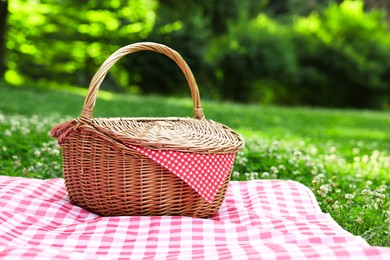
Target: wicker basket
[{"x": 106, "y": 175}]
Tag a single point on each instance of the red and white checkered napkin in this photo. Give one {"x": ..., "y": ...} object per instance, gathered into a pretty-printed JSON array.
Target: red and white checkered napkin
[
  {"x": 258, "y": 220},
  {"x": 205, "y": 173}
]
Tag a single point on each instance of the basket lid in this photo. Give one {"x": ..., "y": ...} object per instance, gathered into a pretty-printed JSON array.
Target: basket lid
[{"x": 171, "y": 133}]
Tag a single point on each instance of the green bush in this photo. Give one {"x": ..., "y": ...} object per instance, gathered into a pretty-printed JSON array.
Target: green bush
[
  {"x": 66, "y": 41},
  {"x": 343, "y": 57},
  {"x": 155, "y": 73},
  {"x": 338, "y": 58},
  {"x": 190, "y": 35},
  {"x": 254, "y": 61},
  {"x": 246, "y": 51}
]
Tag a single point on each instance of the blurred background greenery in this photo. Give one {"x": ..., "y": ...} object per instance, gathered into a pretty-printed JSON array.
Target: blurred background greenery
[{"x": 290, "y": 52}]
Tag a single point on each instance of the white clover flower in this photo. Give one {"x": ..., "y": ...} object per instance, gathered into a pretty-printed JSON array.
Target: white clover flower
[
  {"x": 242, "y": 160},
  {"x": 55, "y": 152},
  {"x": 382, "y": 188},
  {"x": 15, "y": 157},
  {"x": 274, "y": 170},
  {"x": 4, "y": 148},
  {"x": 296, "y": 172},
  {"x": 355, "y": 150},
  {"x": 57, "y": 166},
  {"x": 254, "y": 175},
  {"x": 282, "y": 167},
  {"x": 292, "y": 161},
  {"x": 336, "y": 205},
  {"x": 375, "y": 154},
  {"x": 15, "y": 122},
  {"x": 330, "y": 157},
  {"x": 365, "y": 159},
  {"x": 17, "y": 163},
  {"x": 297, "y": 154},
  {"x": 367, "y": 206},
  {"x": 370, "y": 192},
  {"x": 235, "y": 174},
  {"x": 349, "y": 196},
  {"x": 39, "y": 164},
  {"x": 7, "y": 133},
  {"x": 37, "y": 153},
  {"x": 324, "y": 188},
  {"x": 24, "y": 131},
  {"x": 352, "y": 186},
  {"x": 360, "y": 144},
  {"x": 265, "y": 175},
  {"x": 309, "y": 164},
  {"x": 321, "y": 176},
  {"x": 275, "y": 144},
  {"x": 368, "y": 183}
]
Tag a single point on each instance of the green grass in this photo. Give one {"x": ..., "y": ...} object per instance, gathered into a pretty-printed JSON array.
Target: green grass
[{"x": 343, "y": 156}]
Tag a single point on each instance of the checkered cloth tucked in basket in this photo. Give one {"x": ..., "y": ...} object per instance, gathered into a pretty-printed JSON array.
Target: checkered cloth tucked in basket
[{"x": 258, "y": 220}]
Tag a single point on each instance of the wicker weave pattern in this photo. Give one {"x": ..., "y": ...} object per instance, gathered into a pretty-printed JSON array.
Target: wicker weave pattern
[
  {"x": 119, "y": 182},
  {"x": 106, "y": 176}
]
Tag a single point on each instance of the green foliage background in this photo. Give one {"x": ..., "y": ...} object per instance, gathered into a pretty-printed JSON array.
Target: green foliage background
[{"x": 318, "y": 53}]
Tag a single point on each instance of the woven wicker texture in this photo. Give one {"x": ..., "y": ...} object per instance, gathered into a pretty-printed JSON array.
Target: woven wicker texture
[{"x": 106, "y": 176}]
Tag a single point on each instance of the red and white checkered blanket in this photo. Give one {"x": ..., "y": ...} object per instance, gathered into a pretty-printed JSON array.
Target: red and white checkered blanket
[{"x": 258, "y": 220}]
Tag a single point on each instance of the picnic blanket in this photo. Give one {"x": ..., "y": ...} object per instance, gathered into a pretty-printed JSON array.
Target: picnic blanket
[{"x": 264, "y": 219}]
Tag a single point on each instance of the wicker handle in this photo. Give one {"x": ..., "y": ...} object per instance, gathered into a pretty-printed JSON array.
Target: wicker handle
[{"x": 98, "y": 78}]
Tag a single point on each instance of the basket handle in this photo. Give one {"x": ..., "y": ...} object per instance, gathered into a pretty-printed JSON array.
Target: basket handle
[{"x": 98, "y": 78}]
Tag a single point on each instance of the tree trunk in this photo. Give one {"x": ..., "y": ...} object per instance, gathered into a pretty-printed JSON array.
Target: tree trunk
[{"x": 3, "y": 30}]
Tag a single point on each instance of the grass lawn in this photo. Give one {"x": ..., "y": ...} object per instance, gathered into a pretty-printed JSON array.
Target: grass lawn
[{"x": 342, "y": 155}]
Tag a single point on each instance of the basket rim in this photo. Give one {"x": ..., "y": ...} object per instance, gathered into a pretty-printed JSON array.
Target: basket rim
[{"x": 183, "y": 134}]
